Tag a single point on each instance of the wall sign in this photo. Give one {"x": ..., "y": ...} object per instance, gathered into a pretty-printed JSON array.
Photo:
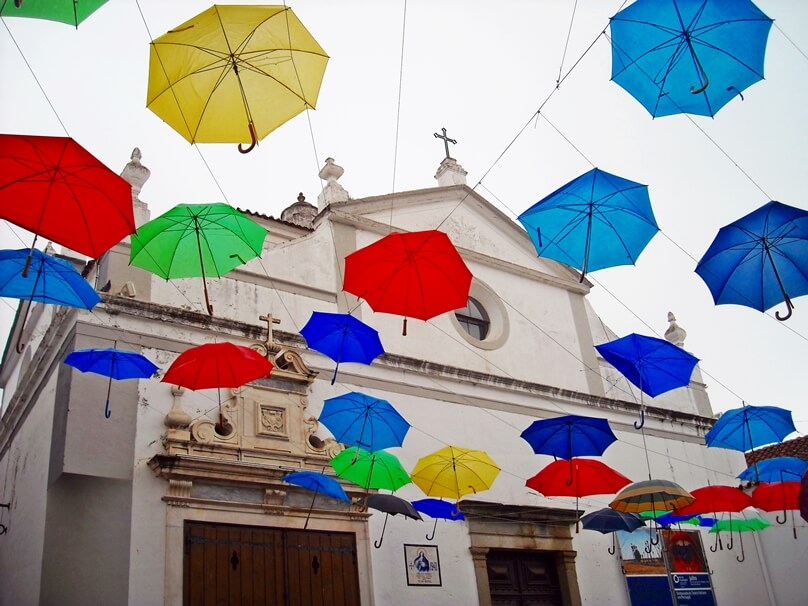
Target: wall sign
[{"x": 423, "y": 565}]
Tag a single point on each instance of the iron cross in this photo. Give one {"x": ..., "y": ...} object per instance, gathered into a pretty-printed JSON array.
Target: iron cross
[{"x": 446, "y": 141}]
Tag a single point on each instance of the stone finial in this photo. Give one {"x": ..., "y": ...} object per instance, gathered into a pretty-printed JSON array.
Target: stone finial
[
  {"x": 675, "y": 333},
  {"x": 135, "y": 174},
  {"x": 177, "y": 417},
  {"x": 333, "y": 191},
  {"x": 450, "y": 173},
  {"x": 300, "y": 213}
]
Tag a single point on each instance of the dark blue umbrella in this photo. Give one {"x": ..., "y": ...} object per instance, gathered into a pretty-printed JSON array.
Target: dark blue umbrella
[
  {"x": 438, "y": 509},
  {"x": 116, "y": 364},
  {"x": 342, "y": 338},
  {"x": 688, "y": 56},
  {"x": 595, "y": 221},
  {"x": 654, "y": 365},
  {"x": 760, "y": 260},
  {"x": 748, "y": 427},
  {"x": 775, "y": 469},
  {"x": 608, "y": 520},
  {"x": 48, "y": 280},
  {"x": 361, "y": 420},
  {"x": 319, "y": 483}
]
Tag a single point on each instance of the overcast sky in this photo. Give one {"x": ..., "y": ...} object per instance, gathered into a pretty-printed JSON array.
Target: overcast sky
[{"x": 480, "y": 70}]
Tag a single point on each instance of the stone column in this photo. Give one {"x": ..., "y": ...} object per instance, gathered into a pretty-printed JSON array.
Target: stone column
[
  {"x": 480, "y": 557},
  {"x": 568, "y": 578}
]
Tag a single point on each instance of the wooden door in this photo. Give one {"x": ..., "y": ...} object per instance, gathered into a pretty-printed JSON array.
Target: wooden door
[
  {"x": 523, "y": 578},
  {"x": 227, "y": 565}
]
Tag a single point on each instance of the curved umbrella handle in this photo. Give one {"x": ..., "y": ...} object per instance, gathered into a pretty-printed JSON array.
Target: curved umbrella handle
[
  {"x": 3, "y": 529},
  {"x": 378, "y": 543},
  {"x": 741, "y": 557},
  {"x": 429, "y": 538},
  {"x": 702, "y": 88},
  {"x": 785, "y": 517},
  {"x": 642, "y": 420},
  {"x": 731, "y": 541},
  {"x": 612, "y": 549},
  {"x": 789, "y": 310},
  {"x": 253, "y": 142},
  {"x": 714, "y": 547}
]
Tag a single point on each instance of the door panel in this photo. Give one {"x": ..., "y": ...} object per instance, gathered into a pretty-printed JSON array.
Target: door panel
[{"x": 523, "y": 578}]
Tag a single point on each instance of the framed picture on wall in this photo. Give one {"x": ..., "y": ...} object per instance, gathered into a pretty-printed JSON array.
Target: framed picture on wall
[{"x": 422, "y": 564}]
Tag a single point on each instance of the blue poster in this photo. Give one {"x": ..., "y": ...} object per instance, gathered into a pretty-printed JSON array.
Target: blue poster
[
  {"x": 693, "y": 589},
  {"x": 649, "y": 590}
]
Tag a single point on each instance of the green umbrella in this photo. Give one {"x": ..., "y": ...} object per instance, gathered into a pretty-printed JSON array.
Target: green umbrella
[
  {"x": 71, "y": 12},
  {"x": 377, "y": 469},
  {"x": 193, "y": 240},
  {"x": 739, "y": 525}
]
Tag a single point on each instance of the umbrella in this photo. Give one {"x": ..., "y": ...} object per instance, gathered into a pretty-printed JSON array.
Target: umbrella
[
  {"x": 361, "y": 420},
  {"x": 688, "y": 56},
  {"x": 217, "y": 365},
  {"x": 651, "y": 495},
  {"x": 776, "y": 469},
  {"x": 589, "y": 477},
  {"x": 739, "y": 525},
  {"x": 452, "y": 472},
  {"x": 712, "y": 499},
  {"x": 608, "y": 520},
  {"x": 233, "y": 74},
  {"x": 776, "y": 496},
  {"x": 440, "y": 510},
  {"x": 750, "y": 426},
  {"x": 654, "y": 365},
  {"x": 378, "y": 469},
  {"x": 417, "y": 274},
  {"x": 114, "y": 363},
  {"x": 342, "y": 338},
  {"x": 391, "y": 505},
  {"x": 193, "y": 240},
  {"x": 760, "y": 260},
  {"x": 52, "y": 280},
  {"x": 71, "y": 12},
  {"x": 319, "y": 483},
  {"x": 56, "y": 189},
  {"x": 802, "y": 497},
  {"x": 569, "y": 436},
  {"x": 595, "y": 221}
]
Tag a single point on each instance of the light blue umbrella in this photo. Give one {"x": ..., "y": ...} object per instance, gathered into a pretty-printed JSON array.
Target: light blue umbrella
[
  {"x": 358, "y": 419},
  {"x": 595, "y": 221},
  {"x": 775, "y": 469},
  {"x": 749, "y": 427}
]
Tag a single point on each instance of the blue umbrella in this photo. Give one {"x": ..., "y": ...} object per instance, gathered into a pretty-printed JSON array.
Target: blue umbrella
[
  {"x": 342, "y": 338},
  {"x": 113, "y": 363},
  {"x": 654, "y": 365},
  {"x": 748, "y": 427},
  {"x": 595, "y": 221},
  {"x": 438, "y": 509},
  {"x": 608, "y": 520},
  {"x": 361, "y": 420},
  {"x": 759, "y": 260},
  {"x": 775, "y": 469},
  {"x": 48, "y": 280},
  {"x": 688, "y": 56},
  {"x": 319, "y": 483}
]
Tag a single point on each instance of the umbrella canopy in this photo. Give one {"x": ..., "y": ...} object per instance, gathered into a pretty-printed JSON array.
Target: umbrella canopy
[
  {"x": 364, "y": 421},
  {"x": 233, "y": 74},
  {"x": 71, "y": 12},
  {"x": 713, "y": 499},
  {"x": 393, "y": 505},
  {"x": 748, "y": 427},
  {"x": 378, "y": 469},
  {"x": 776, "y": 496},
  {"x": 319, "y": 483},
  {"x": 688, "y": 56},
  {"x": 760, "y": 260},
  {"x": 342, "y": 338},
  {"x": 666, "y": 519},
  {"x": 651, "y": 495},
  {"x": 114, "y": 363},
  {"x": 776, "y": 469},
  {"x": 439, "y": 509},
  {"x": 56, "y": 189},
  {"x": 416, "y": 275},
  {"x": 569, "y": 436},
  {"x": 739, "y": 525},
  {"x": 217, "y": 365},
  {"x": 608, "y": 520},
  {"x": 197, "y": 240},
  {"x": 452, "y": 472},
  {"x": 595, "y": 221},
  {"x": 589, "y": 477}
]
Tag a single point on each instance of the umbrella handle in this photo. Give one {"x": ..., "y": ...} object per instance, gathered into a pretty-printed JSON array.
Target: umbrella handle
[
  {"x": 785, "y": 517},
  {"x": 789, "y": 308},
  {"x": 612, "y": 549},
  {"x": 731, "y": 541},
  {"x": 741, "y": 557},
  {"x": 253, "y": 137},
  {"x": 642, "y": 420},
  {"x": 378, "y": 543},
  {"x": 3, "y": 529},
  {"x": 19, "y": 346},
  {"x": 429, "y": 538},
  {"x": 702, "y": 88},
  {"x": 714, "y": 547},
  {"x": 404, "y": 328}
]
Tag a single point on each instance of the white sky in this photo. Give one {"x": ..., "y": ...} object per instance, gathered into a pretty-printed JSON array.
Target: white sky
[{"x": 480, "y": 69}]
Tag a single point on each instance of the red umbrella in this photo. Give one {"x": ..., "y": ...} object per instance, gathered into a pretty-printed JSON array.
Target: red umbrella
[
  {"x": 56, "y": 189},
  {"x": 217, "y": 365},
  {"x": 417, "y": 275},
  {"x": 588, "y": 477},
  {"x": 777, "y": 496},
  {"x": 713, "y": 499}
]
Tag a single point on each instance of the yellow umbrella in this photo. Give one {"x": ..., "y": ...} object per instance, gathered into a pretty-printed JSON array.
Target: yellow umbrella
[
  {"x": 233, "y": 74},
  {"x": 453, "y": 472}
]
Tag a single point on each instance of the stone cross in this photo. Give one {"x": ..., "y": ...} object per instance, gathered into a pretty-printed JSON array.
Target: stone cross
[
  {"x": 270, "y": 343},
  {"x": 446, "y": 141}
]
